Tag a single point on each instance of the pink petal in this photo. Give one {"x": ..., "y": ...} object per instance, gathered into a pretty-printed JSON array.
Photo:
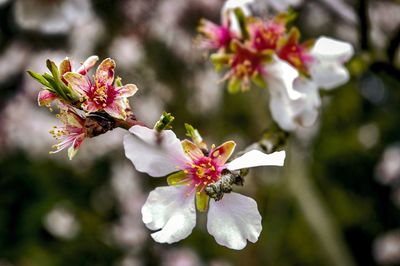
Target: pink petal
[
  {"x": 88, "y": 64},
  {"x": 116, "y": 109},
  {"x": 90, "y": 107},
  {"x": 46, "y": 97},
  {"x": 222, "y": 153},
  {"x": 65, "y": 66},
  {"x": 127, "y": 90},
  {"x": 191, "y": 149},
  {"x": 77, "y": 82},
  {"x": 105, "y": 72}
]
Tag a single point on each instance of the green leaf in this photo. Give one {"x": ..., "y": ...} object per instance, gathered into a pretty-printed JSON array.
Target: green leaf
[
  {"x": 38, "y": 77},
  {"x": 195, "y": 136},
  {"x": 164, "y": 122},
  {"x": 118, "y": 82},
  {"x": 53, "y": 69},
  {"x": 53, "y": 85},
  {"x": 241, "y": 18}
]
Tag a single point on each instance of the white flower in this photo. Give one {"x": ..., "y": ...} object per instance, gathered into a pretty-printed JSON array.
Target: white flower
[
  {"x": 171, "y": 210},
  {"x": 295, "y": 100}
]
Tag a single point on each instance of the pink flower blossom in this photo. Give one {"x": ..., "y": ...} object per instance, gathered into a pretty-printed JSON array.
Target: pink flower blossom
[
  {"x": 71, "y": 134},
  {"x": 101, "y": 94},
  {"x": 214, "y": 36}
]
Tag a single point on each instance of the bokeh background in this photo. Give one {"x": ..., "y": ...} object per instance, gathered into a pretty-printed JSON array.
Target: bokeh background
[{"x": 336, "y": 202}]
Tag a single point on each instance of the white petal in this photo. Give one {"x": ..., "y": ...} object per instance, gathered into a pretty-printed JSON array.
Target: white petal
[
  {"x": 227, "y": 14},
  {"x": 329, "y": 75},
  {"x": 289, "y": 113},
  {"x": 280, "y": 77},
  {"x": 308, "y": 107},
  {"x": 256, "y": 158},
  {"x": 142, "y": 148},
  {"x": 327, "y": 70},
  {"x": 233, "y": 220},
  {"x": 282, "y": 110},
  {"x": 232, "y": 4},
  {"x": 330, "y": 49},
  {"x": 172, "y": 211}
]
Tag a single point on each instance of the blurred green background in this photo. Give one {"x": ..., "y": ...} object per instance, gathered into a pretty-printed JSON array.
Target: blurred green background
[{"x": 336, "y": 202}]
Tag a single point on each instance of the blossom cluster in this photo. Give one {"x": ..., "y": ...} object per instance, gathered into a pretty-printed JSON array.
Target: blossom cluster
[
  {"x": 269, "y": 54},
  {"x": 82, "y": 99},
  {"x": 266, "y": 53}
]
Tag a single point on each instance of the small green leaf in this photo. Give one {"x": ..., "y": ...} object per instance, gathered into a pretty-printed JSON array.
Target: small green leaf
[
  {"x": 38, "y": 77},
  {"x": 241, "y": 18},
  {"x": 53, "y": 68},
  {"x": 54, "y": 86},
  {"x": 164, "y": 122},
  {"x": 195, "y": 136},
  {"x": 118, "y": 82}
]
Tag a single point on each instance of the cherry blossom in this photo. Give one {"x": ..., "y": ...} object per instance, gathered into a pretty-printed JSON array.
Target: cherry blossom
[
  {"x": 72, "y": 134},
  {"x": 102, "y": 94}
]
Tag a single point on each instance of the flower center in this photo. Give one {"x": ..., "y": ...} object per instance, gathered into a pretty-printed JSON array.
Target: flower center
[
  {"x": 245, "y": 63},
  {"x": 267, "y": 36},
  {"x": 202, "y": 172},
  {"x": 102, "y": 94}
]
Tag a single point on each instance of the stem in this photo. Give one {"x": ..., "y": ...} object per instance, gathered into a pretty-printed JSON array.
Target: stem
[
  {"x": 129, "y": 122},
  {"x": 314, "y": 210}
]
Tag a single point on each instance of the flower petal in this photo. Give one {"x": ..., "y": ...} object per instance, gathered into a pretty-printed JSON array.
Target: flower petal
[
  {"x": 65, "y": 66},
  {"x": 333, "y": 50},
  {"x": 280, "y": 77},
  {"x": 327, "y": 69},
  {"x": 191, "y": 149},
  {"x": 77, "y": 82},
  {"x": 75, "y": 146},
  {"x": 116, "y": 109},
  {"x": 282, "y": 110},
  {"x": 142, "y": 148},
  {"x": 222, "y": 153},
  {"x": 233, "y": 220},
  {"x": 87, "y": 65},
  {"x": 329, "y": 75},
  {"x": 127, "y": 90},
  {"x": 105, "y": 72},
  {"x": 172, "y": 211},
  {"x": 45, "y": 97},
  {"x": 256, "y": 158},
  {"x": 307, "y": 108},
  {"x": 227, "y": 13}
]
